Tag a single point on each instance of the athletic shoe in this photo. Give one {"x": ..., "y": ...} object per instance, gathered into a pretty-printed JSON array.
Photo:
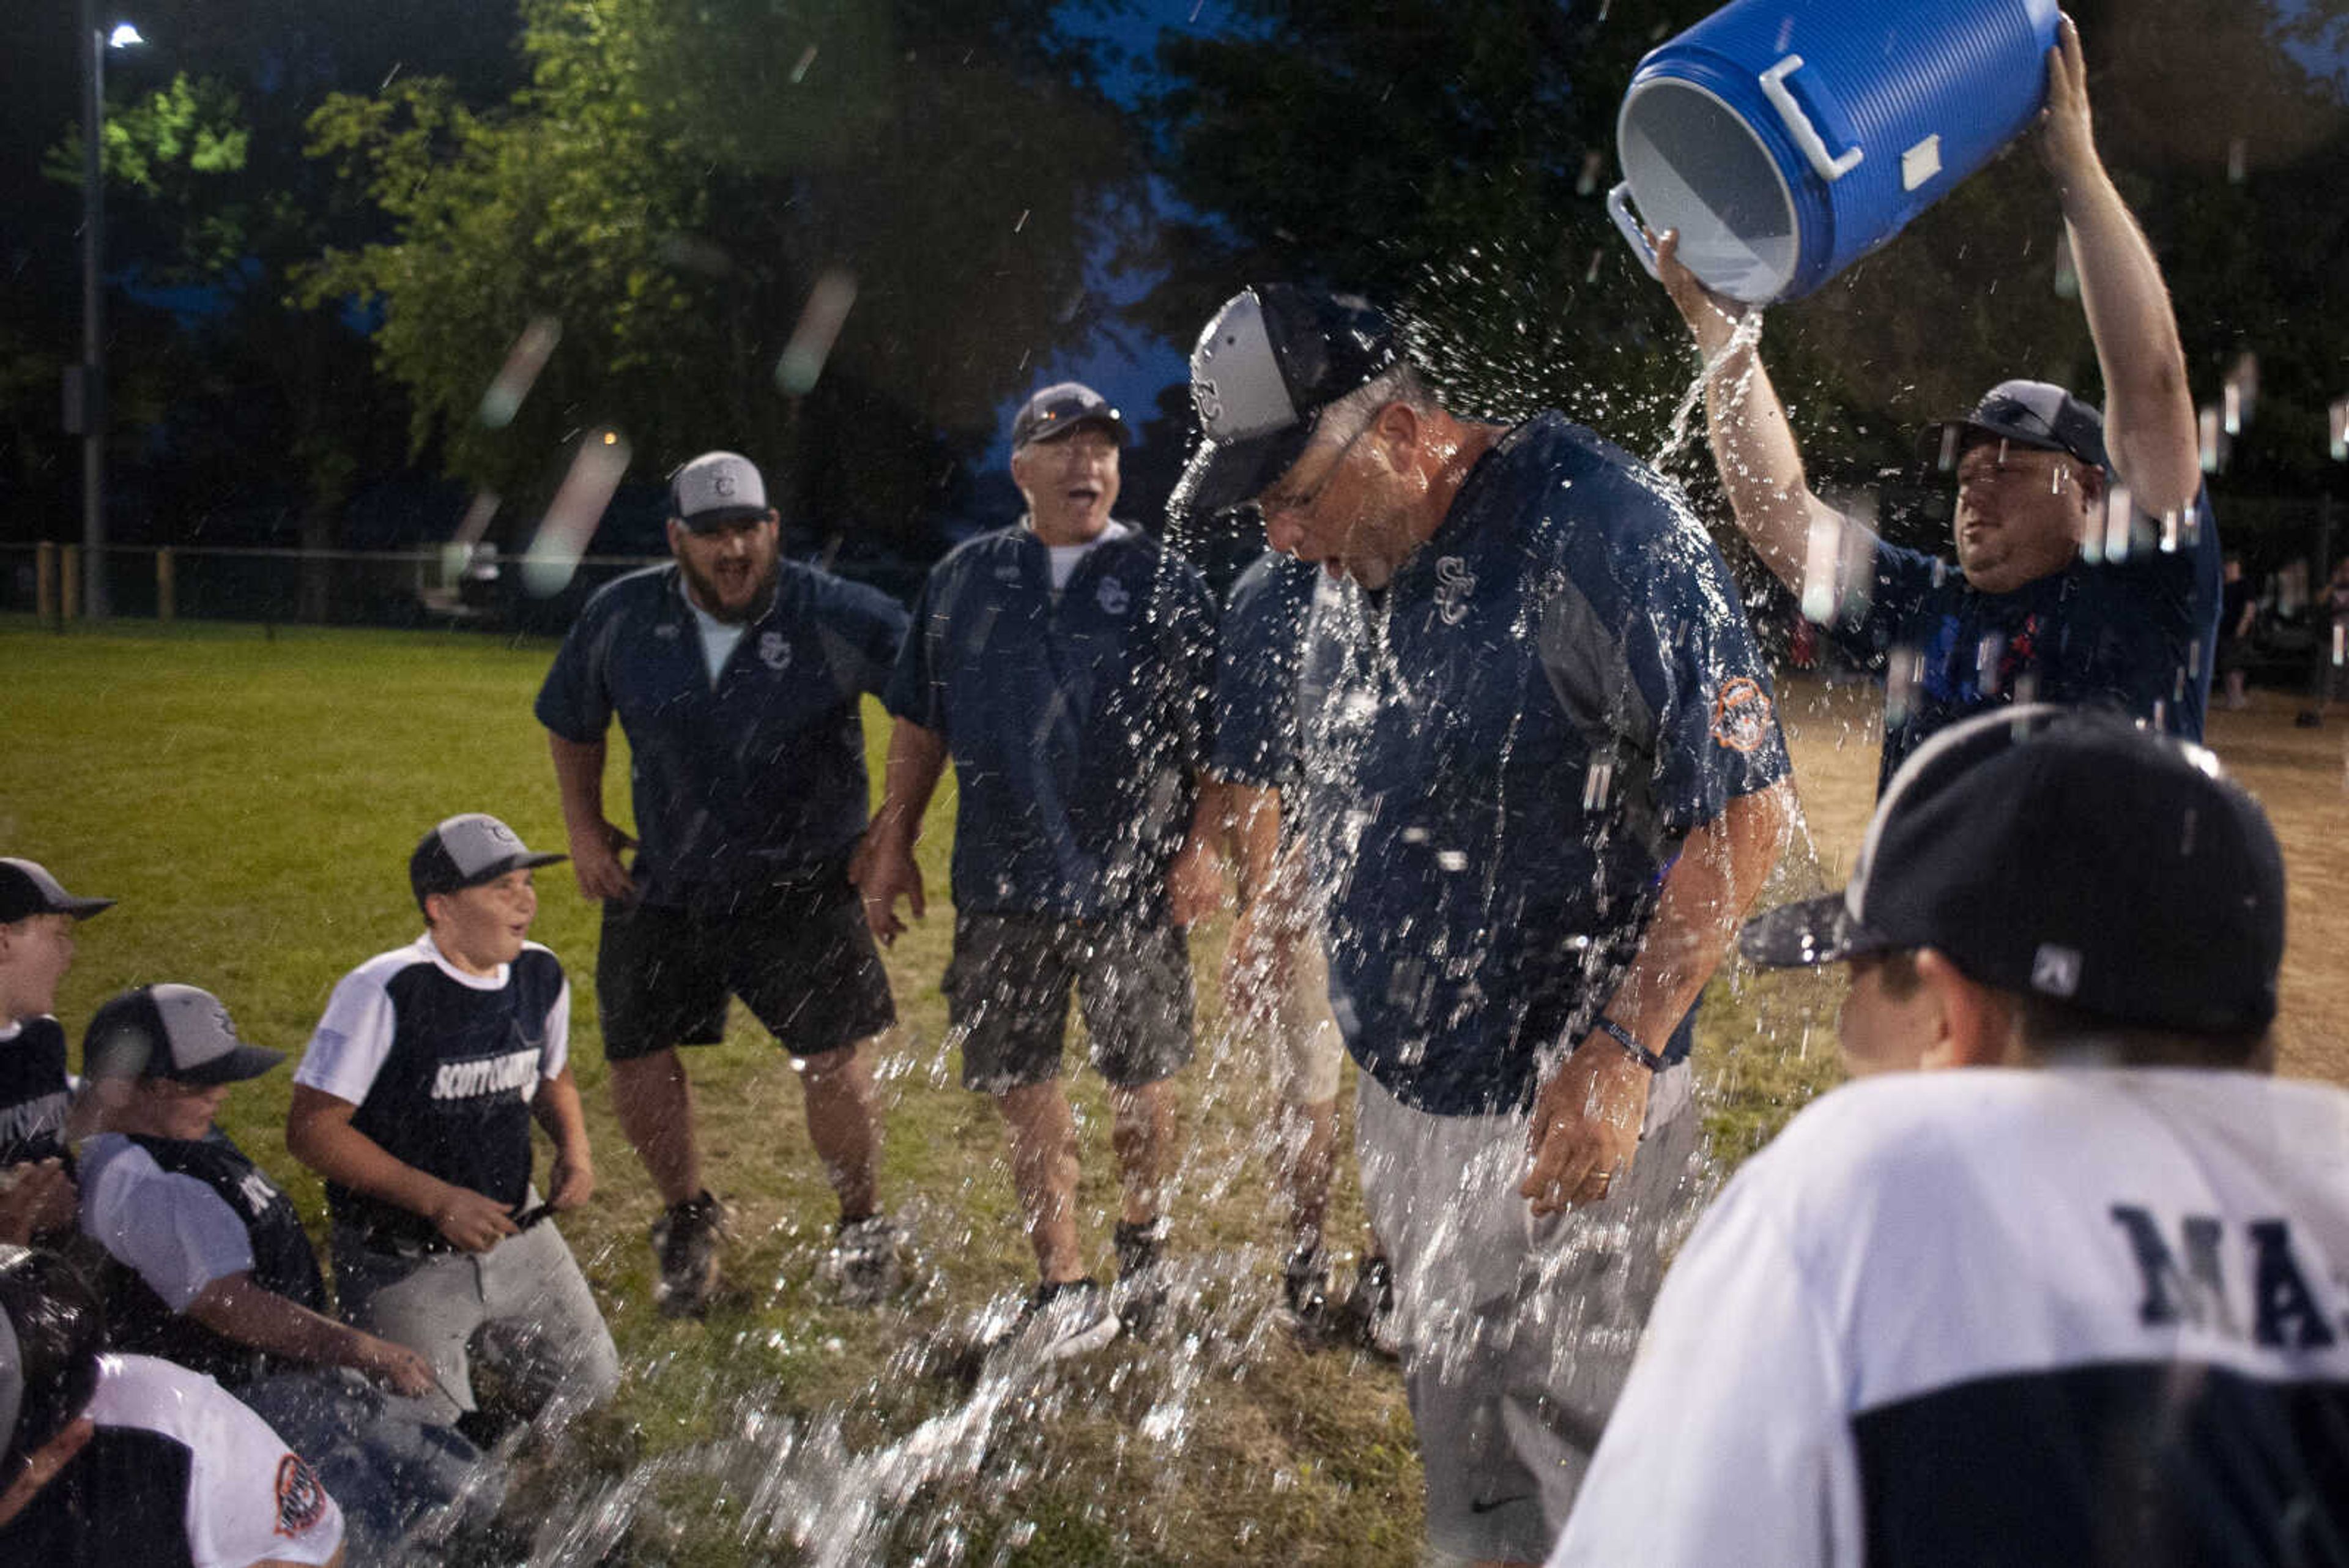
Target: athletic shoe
[
  {"x": 1367, "y": 1318},
  {"x": 1065, "y": 1318},
  {"x": 685, "y": 1239},
  {"x": 1305, "y": 1294},
  {"x": 867, "y": 1264},
  {"x": 1141, "y": 1291}
]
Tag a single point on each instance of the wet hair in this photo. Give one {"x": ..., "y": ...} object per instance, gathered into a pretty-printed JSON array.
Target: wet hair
[{"x": 59, "y": 1331}]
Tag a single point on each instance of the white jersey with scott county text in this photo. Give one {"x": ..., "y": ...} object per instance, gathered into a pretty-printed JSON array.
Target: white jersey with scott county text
[{"x": 2011, "y": 1316}]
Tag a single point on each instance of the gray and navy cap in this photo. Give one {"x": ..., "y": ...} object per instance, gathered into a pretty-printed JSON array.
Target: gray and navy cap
[
  {"x": 715, "y": 489},
  {"x": 467, "y": 851},
  {"x": 2037, "y": 414},
  {"x": 1061, "y": 408},
  {"x": 176, "y": 1032},
  {"x": 1274, "y": 356},
  {"x": 27, "y": 889},
  {"x": 2065, "y": 854}
]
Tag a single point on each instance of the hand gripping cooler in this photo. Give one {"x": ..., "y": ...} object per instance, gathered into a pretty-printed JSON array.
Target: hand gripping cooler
[{"x": 1787, "y": 139}]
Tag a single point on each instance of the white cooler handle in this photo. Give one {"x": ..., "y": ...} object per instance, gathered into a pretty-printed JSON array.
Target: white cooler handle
[
  {"x": 1620, "y": 209},
  {"x": 1799, "y": 126}
]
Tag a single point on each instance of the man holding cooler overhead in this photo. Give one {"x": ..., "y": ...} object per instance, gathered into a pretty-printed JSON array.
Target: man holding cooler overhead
[{"x": 2043, "y": 604}]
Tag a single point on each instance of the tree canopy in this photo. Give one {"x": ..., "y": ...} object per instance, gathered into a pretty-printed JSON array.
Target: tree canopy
[{"x": 670, "y": 187}]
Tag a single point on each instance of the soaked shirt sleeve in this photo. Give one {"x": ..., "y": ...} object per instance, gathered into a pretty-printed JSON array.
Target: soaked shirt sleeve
[
  {"x": 912, "y": 691},
  {"x": 1648, "y": 644},
  {"x": 575, "y": 699}
]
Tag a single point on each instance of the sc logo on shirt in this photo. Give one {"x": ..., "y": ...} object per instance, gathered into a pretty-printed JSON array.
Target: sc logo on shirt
[{"x": 1112, "y": 597}]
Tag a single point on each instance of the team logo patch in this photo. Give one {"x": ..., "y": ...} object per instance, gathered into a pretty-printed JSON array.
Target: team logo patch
[
  {"x": 1113, "y": 598},
  {"x": 2055, "y": 970},
  {"x": 1453, "y": 583},
  {"x": 774, "y": 651},
  {"x": 501, "y": 834},
  {"x": 301, "y": 1501},
  {"x": 1741, "y": 715}
]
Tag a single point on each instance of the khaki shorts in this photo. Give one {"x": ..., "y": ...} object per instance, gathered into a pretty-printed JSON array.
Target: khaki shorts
[{"x": 1308, "y": 1051}]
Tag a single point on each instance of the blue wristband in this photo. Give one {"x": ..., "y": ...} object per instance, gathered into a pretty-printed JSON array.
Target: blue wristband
[{"x": 1631, "y": 1044}]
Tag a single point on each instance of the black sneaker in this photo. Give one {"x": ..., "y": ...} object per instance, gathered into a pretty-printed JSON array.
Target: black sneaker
[
  {"x": 1067, "y": 1317},
  {"x": 1367, "y": 1318},
  {"x": 685, "y": 1239},
  {"x": 1305, "y": 1294},
  {"x": 1141, "y": 1290},
  {"x": 867, "y": 1264}
]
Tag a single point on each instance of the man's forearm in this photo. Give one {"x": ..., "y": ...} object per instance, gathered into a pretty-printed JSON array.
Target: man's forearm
[
  {"x": 579, "y": 778},
  {"x": 2156, "y": 446},
  {"x": 917, "y": 759},
  {"x": 1705, "y": 895}
]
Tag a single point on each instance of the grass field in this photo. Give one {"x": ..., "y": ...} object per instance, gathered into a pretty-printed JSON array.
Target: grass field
[{"x": 251, "y": 801}]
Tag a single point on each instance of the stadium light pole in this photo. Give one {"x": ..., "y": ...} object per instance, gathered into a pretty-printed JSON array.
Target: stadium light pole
[{"x": 94, "y": 42}]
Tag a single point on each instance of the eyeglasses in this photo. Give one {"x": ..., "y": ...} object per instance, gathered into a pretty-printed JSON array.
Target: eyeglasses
[{"x": 1272, "y": 504}]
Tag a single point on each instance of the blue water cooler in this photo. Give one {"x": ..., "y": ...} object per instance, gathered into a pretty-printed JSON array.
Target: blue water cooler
[{"x": 1787, "y": 139}]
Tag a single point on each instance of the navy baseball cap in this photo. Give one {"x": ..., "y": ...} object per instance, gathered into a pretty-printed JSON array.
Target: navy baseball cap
[
  {"x": 2037, "y": 414},
  {"x": 2070, "y": 855},
  {"x": 715, "y": 489},
  {"x": 467, "y": 851},
  {"x": 27, "y": 889},
  {"x": 1273, "y": 358},
  {"x": 1062, "y": 408},
  {"x": 176, "y": 1032}
]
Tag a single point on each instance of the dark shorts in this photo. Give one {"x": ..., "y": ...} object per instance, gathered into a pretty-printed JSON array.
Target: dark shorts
[
  {"x": 803, "y": 962},
  {"x": 1008, "y": 995}
]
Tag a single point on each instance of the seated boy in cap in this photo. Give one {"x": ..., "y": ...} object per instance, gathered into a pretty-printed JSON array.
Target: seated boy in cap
[
  {"x": 110, "y": 1460},
  {"x": 415, "y": 1101},
  {"x": 37, "y": 947},
  {"x": 2083, "y": 1302},
  {"x": 210, "y": 1266}
]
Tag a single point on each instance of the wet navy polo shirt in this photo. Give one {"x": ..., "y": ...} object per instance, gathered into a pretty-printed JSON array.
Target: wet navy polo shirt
[
  {"x": 757, "y": 780},
  {"x": 2137, "y": 635},
  {"x": 442, "y": 1067},
  {"x": 34, "y": 1091},
  {"x": 1502, "y": 753},
  {"x": 1258, "y": 646},
  {"x": 1076, "y": 720}
]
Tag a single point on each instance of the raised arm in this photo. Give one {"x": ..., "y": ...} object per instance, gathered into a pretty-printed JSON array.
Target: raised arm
[
  {"x": 1586, "y": 1116},
  {"x": 1752, "y": 445},
  {"x": 2150, "y": 426},
  {"x": 884, "y": 868}
]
